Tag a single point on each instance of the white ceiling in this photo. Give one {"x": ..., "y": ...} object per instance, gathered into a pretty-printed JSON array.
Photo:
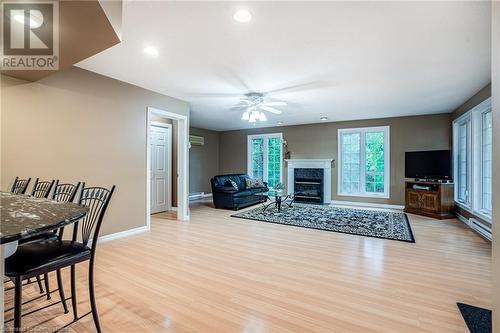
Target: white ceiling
[{"x": 356, "y": 60}]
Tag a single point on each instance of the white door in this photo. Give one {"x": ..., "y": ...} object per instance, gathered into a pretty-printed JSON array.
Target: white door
[{"x": 161, "y": 147}]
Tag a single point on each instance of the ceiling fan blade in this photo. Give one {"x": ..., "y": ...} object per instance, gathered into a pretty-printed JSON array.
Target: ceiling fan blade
[
  {"x": 270, "y": 109},
  {"x": 215, "y": 95},
  {"x": 232, "y": 79},
  {"x": 278, "y": 103},
  {"x": 299, "y": 87},
  {"x": 239, "y": 108},
  {"x": 244, "y": 101}
]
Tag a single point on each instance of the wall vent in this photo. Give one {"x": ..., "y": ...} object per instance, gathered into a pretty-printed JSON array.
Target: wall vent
[{"x": 195, "y": 140}]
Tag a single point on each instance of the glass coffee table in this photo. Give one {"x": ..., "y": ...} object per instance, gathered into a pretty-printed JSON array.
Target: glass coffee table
[{"x": 277, "y": 198}]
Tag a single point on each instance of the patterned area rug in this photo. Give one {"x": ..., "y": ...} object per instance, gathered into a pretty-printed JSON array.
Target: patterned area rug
[
  {"x": 478, "y": 320},
  {"x": 371, "y": 223}
]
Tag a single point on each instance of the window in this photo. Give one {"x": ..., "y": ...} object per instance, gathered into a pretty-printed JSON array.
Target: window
[
  {"x": 265, "y": 155},
  {"x": 462, "y": 159},
  {"x": 472, "y": 150},
  {"x": 364, "y": 162},
  {"x": 486, "y": 159}
]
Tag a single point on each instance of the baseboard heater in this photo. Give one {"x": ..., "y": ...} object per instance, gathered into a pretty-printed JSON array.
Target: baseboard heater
[
  {"x": 196, "y": 195},
  {"x": 199, "y": 195},
  {"x": 482, "y": 228}
]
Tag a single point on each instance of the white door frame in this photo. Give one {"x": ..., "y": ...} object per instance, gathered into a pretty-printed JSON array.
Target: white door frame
[
  {"x": 182, "y": 163},
  {"x": 168, "y": 161}
]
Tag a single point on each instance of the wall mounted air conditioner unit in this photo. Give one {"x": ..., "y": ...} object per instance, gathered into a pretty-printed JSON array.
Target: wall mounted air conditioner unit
[
  {"x": 482, "y": 228},
  {"x": 195, "y": 140}
]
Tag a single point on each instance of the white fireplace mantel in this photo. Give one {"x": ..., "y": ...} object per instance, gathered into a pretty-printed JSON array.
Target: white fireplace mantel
[
  {"x": 320, "y": 163},
  {"x": 325, "y": 164}
]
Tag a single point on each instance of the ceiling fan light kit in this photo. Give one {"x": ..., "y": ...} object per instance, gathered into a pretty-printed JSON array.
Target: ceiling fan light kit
[
  {"x": 253, "y": 115},
  {"x": 254, "y": 106},
  {"x": 252, "y": 118}
]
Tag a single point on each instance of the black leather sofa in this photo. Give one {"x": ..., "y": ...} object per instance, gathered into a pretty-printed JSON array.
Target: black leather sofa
[{"x": 226, "y": 196}]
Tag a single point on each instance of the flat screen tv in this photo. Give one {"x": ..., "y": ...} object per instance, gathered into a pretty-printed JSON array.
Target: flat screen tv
[{"x": 432, "y": 164}]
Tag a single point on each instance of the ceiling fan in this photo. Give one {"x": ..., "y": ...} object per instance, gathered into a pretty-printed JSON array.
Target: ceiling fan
[{"x": 254, "y": 104}]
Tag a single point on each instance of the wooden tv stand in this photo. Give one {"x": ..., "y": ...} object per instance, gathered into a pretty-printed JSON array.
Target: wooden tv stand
[{"x": 432, "y": 199}]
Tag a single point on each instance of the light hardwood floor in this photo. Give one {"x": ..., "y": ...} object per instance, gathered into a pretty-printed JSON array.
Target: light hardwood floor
[{"x": 222, "y": 274}]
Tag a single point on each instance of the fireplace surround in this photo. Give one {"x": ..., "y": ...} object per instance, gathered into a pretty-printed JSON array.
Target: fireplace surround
[
  {"x": 308, "y": 184},
  {"x": 310, "y": 179}
]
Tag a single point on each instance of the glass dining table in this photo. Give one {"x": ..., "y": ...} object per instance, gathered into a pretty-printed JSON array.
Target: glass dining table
[{"x": 22, "y": 216}]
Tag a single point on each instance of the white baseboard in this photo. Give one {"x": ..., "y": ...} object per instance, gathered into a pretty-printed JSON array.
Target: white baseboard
[
  {"x": 173, "y": 208},
  {"x": 367, "y": 204},
  {"x": 121, "y": 234}
]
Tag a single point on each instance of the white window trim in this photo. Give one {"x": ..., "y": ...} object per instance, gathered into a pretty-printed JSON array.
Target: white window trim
[
  {"x": 475, "y": 159},
  {"x": 249, "y": 150},
  {"x": 387, "y": 162}
]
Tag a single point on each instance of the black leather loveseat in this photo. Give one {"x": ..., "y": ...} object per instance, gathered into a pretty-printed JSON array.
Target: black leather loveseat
[{"x": 226, "y": 196}]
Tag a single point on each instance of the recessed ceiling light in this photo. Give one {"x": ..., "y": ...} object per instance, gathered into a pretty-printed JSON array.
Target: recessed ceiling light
[
  {"x": 280, "y": 122},
  {"x": 323, "y": 118},
  {"x": 242, "y": 16},
  {"x": 151, "y": 50}
]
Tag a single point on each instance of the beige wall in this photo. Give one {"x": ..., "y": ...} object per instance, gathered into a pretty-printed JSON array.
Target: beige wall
[
  {"x": 79, "y": 126},
  {"x": 495, "y": 88},
  {"x": 320, "y": 141},
  {"x": 203, "y": 161}
]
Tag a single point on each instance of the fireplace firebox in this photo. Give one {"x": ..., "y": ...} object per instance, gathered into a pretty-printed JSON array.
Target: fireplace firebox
[{"x": 308, "y": 184}]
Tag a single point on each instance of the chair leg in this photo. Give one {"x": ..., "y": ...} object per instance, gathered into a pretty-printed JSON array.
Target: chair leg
[
  {"x": 39, "y": 282},
  {"x": 74, "y": 304},
  {"x": 18, "y": 302},
  {"x": 92, "y": 298},
  {"x": 47, "y": 285},
  {"x": 61, "y": 291}
]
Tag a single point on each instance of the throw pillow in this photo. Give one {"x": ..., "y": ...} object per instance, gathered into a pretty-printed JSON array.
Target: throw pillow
[
  {"x": 253, "y": 183},
  {"x": 231, "y": 183}
]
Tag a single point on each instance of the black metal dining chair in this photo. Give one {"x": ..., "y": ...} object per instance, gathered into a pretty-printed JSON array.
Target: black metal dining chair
[
  {"x": 38, "y": 258},
  {"x": 20, "y": 185},
  {"x": 62, "y": 193},
  {"x": 65, "y": 192},
  {"x": 41, "y": 189}
]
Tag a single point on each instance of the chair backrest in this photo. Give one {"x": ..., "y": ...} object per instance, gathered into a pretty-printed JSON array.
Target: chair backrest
[
  {"x": 65, "y": 192},
  {"x": 20, "y": 185},
  {"x": 41, "y": 189},
  {"x": 97, "y": 199}
]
